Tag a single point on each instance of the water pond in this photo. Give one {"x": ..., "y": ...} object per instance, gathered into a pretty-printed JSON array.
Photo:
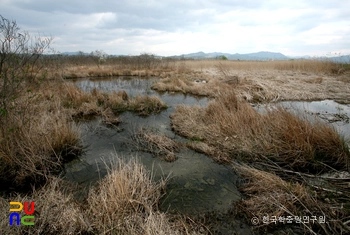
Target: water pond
[{"x": 197, "y": 183}]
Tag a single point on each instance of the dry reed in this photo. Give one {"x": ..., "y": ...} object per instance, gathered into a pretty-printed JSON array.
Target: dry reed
[
  {"x": 36, "y": 138},
  {"x": 231, "y": 125},
  {"x": 126, "y": 201},
  {"x": 270, "y": 198},
  {"x": 159, "y": 145}
]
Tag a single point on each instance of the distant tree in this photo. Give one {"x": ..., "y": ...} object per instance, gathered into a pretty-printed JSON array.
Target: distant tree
[{"x": 100, "y": 57}]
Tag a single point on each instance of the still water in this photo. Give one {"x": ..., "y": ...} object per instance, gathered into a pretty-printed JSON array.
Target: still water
[{"x": 197, "y": 183}]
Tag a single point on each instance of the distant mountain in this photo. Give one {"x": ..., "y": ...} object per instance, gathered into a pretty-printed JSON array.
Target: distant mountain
[
  {"x": 345, "y": 59},
  {"x": 74, "y": 53},
  {"x": 263, "y": 55}
]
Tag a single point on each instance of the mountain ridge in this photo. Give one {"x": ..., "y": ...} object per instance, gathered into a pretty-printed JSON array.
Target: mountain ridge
[{"x": 259, "y": 56}]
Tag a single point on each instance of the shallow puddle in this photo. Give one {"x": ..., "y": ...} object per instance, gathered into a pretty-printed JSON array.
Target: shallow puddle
[
  {"x": 337, "y": 115},
  {"x": 197, "y": 183},
  {"x": 328, "y": 110}
]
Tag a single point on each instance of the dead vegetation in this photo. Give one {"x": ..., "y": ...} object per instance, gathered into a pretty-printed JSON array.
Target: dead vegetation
[
  {"x": 261, "y": 81},
  {"x": 86, "y": 104},
  {"x": 159, "y": 145},
  {"x": 294, "y": 147},
  {"x": 55, "y": 212},
  {"x": 36, "y": 138},
  {"x": 124, "y": 202},
  {"x": 38, "y": 135},
  {"x": 274, "y": 202},
  {"x": 229, "y": 125}
]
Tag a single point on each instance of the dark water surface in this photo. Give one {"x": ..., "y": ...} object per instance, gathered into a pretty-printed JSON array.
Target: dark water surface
[{"x": 197, "y": 184}]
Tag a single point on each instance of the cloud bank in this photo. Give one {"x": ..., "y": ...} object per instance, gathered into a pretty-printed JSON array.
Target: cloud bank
[{"x": 173, "y": 27}]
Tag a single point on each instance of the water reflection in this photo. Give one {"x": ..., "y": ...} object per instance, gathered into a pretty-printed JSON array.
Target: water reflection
[{"x": 198, "y": 184}]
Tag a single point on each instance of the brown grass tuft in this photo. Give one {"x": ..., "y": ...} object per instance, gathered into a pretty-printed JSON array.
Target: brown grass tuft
[
  {"x": 35, "y": 139},
  {"x": 146, "y": 105},
  {"x": 159, "y": 145},
  {"x": 231, "y": 125},
  {"x": 126, "y": 201}
]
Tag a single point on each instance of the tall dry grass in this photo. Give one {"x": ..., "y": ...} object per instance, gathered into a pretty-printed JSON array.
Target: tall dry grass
[
  {"x": 314, "y": 66},
  {"x": 126, "y": 202},
  {"x": 234, "y": 129},
  {"x": 36, "y": 138},
  {"x": 269, "y": 196}
]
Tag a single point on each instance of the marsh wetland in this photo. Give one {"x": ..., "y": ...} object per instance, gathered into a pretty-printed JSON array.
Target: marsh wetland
[{"x": 186, "y": 147}]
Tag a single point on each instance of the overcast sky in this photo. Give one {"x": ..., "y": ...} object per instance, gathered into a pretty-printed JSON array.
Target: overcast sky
[{"x": 174, "y": 27}]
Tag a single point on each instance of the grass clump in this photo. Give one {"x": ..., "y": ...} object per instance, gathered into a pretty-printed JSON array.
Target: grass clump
[
  {"x": 126, "y": 202},
  {"x": 84, "y": 104},
  {"x": 232, "y": 126},
  {"x": 146, "y": 105},
  {"x": 36, "y": 137},
  {"x": 159, "y": 145}
]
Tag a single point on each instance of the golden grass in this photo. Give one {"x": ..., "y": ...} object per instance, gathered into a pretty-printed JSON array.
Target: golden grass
[
  {"x": 229, "y": 125},
  {"x": 261, "y": 81},
  {"x": 126, "y": 202}
]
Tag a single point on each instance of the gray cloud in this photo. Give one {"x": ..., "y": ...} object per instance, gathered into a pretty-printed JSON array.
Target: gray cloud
[{"x": 183, "y": 26}]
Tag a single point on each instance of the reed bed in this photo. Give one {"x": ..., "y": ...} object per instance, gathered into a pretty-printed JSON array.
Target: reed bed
[
  {"x": 273, "y": 142},
  {"x": 36, "y": 137},
  {"x": 230, "y": 125}
]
